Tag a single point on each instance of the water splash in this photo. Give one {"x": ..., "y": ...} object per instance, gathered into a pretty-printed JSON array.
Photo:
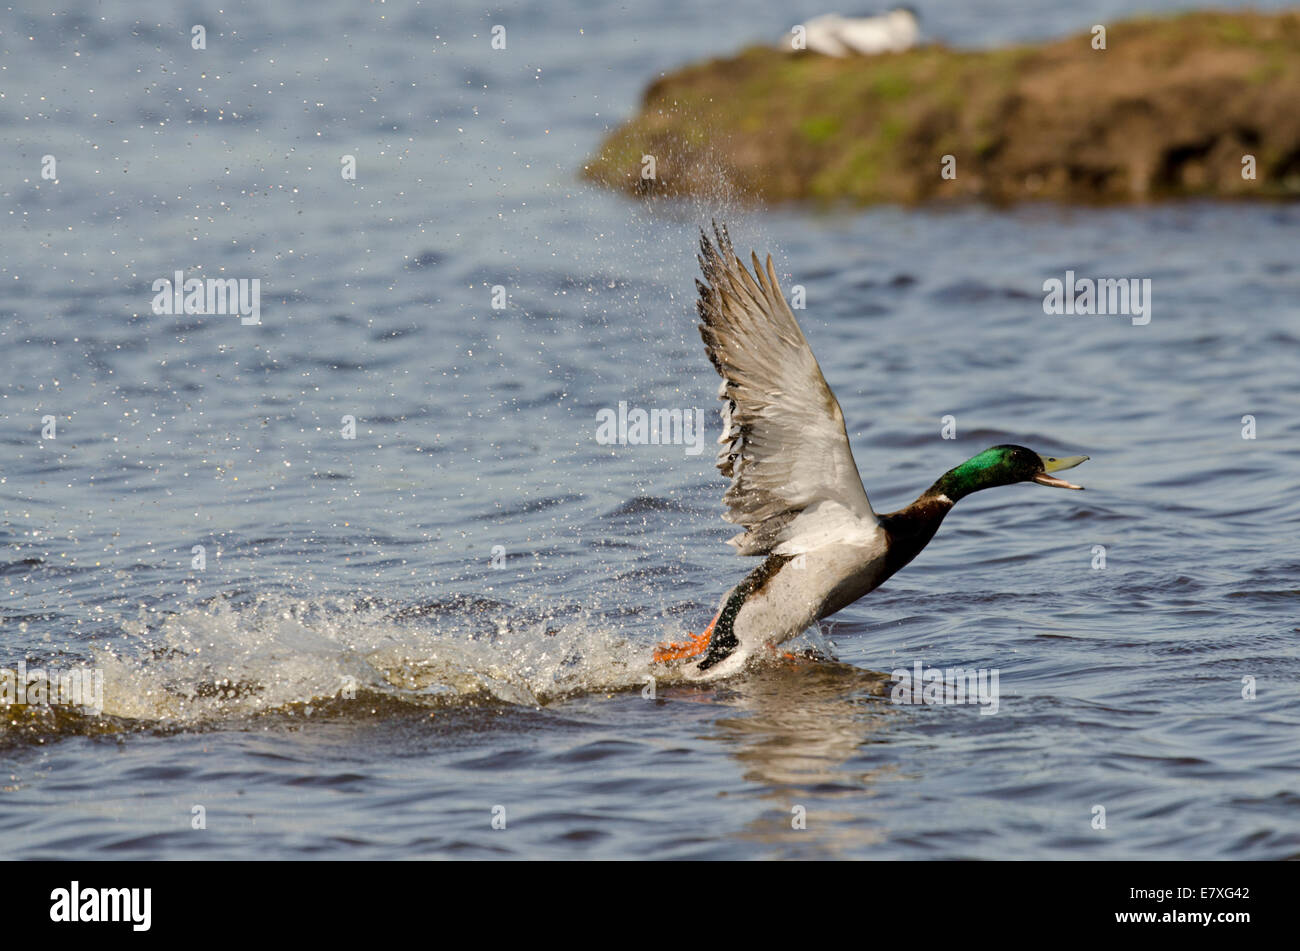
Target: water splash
[{"x": 226, "y": 660}]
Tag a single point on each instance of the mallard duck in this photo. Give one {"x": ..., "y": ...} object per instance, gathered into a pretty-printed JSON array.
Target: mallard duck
[{"x": 795, "y": 488}]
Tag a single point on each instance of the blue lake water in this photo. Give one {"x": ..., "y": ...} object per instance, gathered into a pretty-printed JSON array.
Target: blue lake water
[{"x": 397, "y": 637}]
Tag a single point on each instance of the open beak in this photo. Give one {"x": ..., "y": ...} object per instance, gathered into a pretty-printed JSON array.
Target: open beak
[{"x": 1052, "y": 464}]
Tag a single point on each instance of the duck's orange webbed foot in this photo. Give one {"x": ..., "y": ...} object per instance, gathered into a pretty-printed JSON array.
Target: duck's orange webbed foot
[
  {"x": 696, "y": 646},
  {"x": 672, "y": 650}
]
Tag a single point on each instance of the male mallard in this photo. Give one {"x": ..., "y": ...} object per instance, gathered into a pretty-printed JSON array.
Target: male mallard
[{"x": 794, "y": 485}]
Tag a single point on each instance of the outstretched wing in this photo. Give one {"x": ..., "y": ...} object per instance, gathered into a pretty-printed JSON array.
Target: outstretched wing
[{"x": 784, "y": 444}]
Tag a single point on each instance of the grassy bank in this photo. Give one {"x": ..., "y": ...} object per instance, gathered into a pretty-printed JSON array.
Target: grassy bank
[{"x": 1169, "y": 108}]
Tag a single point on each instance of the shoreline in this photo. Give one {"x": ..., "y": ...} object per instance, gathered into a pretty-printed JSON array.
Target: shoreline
[{"x": 1185, "y": 106}]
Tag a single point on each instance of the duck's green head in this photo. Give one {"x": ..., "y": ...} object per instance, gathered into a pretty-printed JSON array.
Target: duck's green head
[{"x": 1005, "y": 465}]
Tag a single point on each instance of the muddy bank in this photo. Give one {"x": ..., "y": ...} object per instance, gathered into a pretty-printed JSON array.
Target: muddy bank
[{"x": 1170, "y": 108}]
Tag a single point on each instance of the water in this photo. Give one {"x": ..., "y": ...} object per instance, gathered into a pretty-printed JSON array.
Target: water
[{"x": 369, "y": 562}]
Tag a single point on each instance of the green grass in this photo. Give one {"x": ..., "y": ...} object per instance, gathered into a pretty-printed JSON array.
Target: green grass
[{"x": 819, "y": 129}]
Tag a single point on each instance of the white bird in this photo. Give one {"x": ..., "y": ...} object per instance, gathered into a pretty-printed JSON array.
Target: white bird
[{"x": 833, "y": 35}]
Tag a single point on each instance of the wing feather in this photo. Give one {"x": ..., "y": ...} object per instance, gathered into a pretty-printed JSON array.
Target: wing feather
[{"x": 784, "y": 445}]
